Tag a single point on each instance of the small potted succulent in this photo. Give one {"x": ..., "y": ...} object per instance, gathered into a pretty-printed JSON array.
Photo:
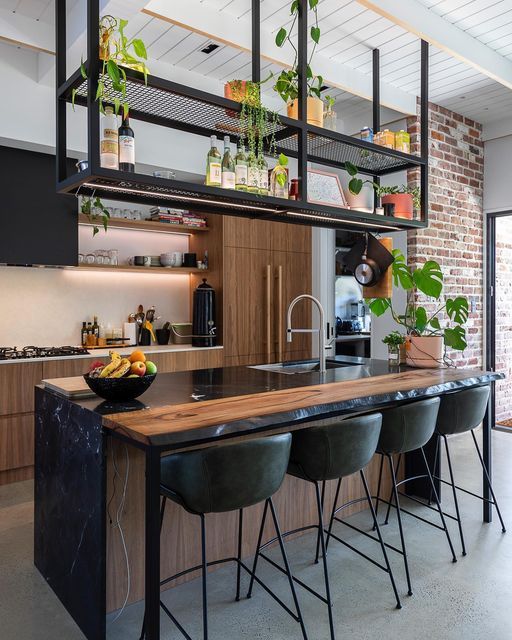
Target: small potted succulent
[
  {"x": 426, "y": 340},
  {"x": 396, "y": 347}
]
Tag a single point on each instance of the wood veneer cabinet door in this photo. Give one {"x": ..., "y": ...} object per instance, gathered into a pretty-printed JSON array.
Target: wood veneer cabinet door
[
  {"x": 16, "y": 441},
  {"x": 290, "y": 237},
  {"x": 247, "y": 233},
  {"x": 248, "y": 300},
  {"x": 17, "y": 382},
  {"x": 292, "y": 277}
]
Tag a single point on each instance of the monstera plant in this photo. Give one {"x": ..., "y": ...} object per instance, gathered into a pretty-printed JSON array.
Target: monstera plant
[{"x": 427, "y": 323}]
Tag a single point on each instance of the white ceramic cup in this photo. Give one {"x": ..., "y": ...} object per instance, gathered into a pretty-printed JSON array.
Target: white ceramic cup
[
  {"x": 147, "y": 261},
  {"x": 177, "y": 259}
]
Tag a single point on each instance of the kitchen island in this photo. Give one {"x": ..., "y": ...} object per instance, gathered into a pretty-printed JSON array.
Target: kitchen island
[{"x": 74, "y": 550}]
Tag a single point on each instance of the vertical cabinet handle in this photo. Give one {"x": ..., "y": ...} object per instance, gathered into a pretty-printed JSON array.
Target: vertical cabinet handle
[
  {"x": 269, "y": 312},
  {"x": 279, "y": 315}
]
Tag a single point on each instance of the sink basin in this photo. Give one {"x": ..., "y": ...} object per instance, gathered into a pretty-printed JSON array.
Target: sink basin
[{"x": 304, "y": 366}]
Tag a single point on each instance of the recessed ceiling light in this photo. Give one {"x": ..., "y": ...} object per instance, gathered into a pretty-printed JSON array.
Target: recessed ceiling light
[
  {"x": 462, "y": 97},
  {"x": 209, "y": 48}
]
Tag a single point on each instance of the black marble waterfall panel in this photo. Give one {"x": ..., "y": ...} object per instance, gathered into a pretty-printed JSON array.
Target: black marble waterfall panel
[{"x": 69, "y": 526}]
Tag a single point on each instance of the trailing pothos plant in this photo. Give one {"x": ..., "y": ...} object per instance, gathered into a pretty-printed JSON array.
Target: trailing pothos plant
[
  {"x": 356, "y": 184},
  {"x": 258, "y": 125},
  {"x": 416, "y": 318},
  {"x": 96, "y": 212},
  {"x": 117, "y": 52},
  {"x": 287, "y": 83}
]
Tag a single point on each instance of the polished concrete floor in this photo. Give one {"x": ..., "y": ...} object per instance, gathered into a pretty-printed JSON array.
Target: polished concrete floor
[{"x": 469, "y": 600}]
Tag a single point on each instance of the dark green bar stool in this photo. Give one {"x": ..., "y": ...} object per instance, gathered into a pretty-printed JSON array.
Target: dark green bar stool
[
  {"x": 331, "y": 452},
  {"x": 228, "y": 478},
  {"x": 460, "y": 412},
  {"x": 406, "y": 428}
]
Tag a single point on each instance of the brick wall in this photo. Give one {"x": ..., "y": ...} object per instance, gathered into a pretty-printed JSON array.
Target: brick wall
[
  {"x": 504, "y": 317},
  {"x": 454, "y": 236}
]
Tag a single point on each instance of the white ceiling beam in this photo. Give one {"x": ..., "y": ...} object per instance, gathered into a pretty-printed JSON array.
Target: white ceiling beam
[
  {"x": 224, "y": 28},
  {"x": 416, "y": 18},
  {"x": 17, "y": 29}
]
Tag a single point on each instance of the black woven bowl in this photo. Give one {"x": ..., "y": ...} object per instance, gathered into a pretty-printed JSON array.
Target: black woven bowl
[{"x": 120, "y": 389}]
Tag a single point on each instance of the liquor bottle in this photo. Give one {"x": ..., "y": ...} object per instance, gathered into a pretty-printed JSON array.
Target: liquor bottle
[
  {"x": 89, "y": 328},
  {"x": 241, "y": 169},
  {"x": 83, "y": 334},
  {"x": 253, "y": 174},
  {"x": 95, "y": 327},
  {"x": 263, "y": 175},
  {"x": 213, "y": 165},
  {"x": 109, "y": 140},
  {"x": 228, "y": 167},
  {"x": 126, "y": 146}
]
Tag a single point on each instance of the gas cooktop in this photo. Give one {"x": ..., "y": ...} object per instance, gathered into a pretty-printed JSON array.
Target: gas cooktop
[{"x": 13, "y": 353}]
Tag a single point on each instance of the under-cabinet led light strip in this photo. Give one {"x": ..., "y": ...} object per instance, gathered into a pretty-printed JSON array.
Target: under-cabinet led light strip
[{"x": 339, "y": 220}]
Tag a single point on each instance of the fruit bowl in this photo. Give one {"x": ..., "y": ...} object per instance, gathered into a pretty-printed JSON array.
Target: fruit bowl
[{"x": 120, "y": 389}]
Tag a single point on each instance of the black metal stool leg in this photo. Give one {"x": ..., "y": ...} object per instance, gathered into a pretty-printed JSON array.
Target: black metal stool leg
[
  {"x": 503, "y": 528},
  {"x": 436, "y": 498},
  {"x": 204, "y": 571},
  {"x": 386, "y": 521},
  {"x": 333, "y": 513},
  {"x": 258, "y": 545},
  {"x": 324, "y": 558},
  {"x": 454, "y": 490},
  {"x": 434, "y": 468},
  {"x": 239, "y": 552},
  {"x": 287, "y": 567},
  {"x": 377, "y": 498},
  {"x": 400, "y": 528},
  {"x": 318, "y": 536},
  {"x": 382, "y": 545}
]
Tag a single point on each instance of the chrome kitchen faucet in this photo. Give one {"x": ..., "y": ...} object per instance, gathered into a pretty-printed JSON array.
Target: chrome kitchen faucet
[{"x": 320, "y": 330}]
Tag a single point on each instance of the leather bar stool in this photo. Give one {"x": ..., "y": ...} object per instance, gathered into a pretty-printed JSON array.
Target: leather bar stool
[
  {"x": 331, "y": 452},
  {"x": 460, "y": 412},
  {"x": 228, "y": 478},
  {"x": 406, "y": 428}
]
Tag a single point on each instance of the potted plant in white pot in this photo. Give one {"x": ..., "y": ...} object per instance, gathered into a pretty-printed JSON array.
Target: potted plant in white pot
[
  {"x": 396, "y": 347},
  {"x": 426, "y": 340}
]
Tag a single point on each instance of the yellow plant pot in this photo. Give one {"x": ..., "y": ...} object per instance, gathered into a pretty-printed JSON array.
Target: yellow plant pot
[{"x": 315, "y": 108}]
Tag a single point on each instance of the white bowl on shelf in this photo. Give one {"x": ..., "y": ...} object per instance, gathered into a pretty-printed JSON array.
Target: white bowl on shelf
[{"x": 166, "y": 259}]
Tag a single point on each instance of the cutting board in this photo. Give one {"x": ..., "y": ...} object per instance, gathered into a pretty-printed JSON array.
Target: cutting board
[{"x": 74, "y": 387}]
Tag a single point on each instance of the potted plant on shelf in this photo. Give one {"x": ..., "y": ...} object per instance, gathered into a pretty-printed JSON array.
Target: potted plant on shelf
[
  {"x": 406, "y": 198},
  {"x": 287, "y": 83},
  {"x": 426, "y": 339},
  {"x": 330, "y": 115},
  {"x": 396, "y": 347}
]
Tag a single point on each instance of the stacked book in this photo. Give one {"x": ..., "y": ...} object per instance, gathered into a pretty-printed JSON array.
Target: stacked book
[{"x": 177, "y": 216}]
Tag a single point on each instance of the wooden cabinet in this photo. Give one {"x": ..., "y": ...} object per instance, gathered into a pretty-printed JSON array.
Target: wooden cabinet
[
  {"x": 16, "y": 441},
  {"x": 17, "y": 382}
]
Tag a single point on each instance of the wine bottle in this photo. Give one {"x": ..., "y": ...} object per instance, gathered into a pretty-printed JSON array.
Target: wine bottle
[
  {"x": 95, "y": 327},
  {"x": 109, "y": 140},
  {"x": 83, "y": 334},
  {"x": 213, "y": 165},
  {"x": 263, "y": 175},
  {"x": 253, "y": 174},
  {"x": 126, "y": 146},
  {"x": 241, "y": 169},
  {"x": 228, "y": 167}
]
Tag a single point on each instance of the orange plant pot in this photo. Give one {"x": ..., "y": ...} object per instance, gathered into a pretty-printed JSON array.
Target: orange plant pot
[
  {"x": 403, "y": 204},
  {"x": 424, "y": 351},
  {"x": 315, "y": 108}
]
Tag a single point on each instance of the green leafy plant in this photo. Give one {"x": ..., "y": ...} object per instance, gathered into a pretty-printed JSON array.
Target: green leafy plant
[
  {"x": 281, "y": 176},
  {"x": 356, "y": 184},
  {"x": 117, "y": 52},
  {"x": 287, "y": 83},
  {"x": 96, "y": 213},
  {"x": 394, "y": 339},
  {"x": 258, "y": 125},
  {"x": 416, "y": 319},
  {"x": 330, "y": 102}
]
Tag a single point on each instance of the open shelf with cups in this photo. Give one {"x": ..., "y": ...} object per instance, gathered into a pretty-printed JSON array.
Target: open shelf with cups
[
  {"x": 146, "y": 225},
  {"x": 165, "y": 103},
  {"x": 137, "y": 269}
]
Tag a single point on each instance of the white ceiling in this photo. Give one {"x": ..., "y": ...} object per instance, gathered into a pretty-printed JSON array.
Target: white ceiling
[{"x": 349, "y": 33}]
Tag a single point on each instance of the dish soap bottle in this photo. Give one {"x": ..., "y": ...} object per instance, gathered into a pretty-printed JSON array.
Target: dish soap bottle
[{"x": 109, "y": 140}]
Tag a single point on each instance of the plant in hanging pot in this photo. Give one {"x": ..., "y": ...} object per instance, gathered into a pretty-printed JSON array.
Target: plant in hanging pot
[
  {"x": 426, "y": 340},
  {"x": 396, "y": 347},
  {"x": 287, "y": 83}
]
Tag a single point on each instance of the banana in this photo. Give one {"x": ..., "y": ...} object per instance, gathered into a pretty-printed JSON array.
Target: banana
[
  {"x": 112, "y": 366},
  {"x": 123, "y": 367}
]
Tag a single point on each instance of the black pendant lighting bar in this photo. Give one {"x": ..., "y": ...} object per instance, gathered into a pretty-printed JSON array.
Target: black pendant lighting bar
[{"x": 166, "y": 103}]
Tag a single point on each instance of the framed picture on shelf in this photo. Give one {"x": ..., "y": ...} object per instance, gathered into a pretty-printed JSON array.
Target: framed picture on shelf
[{"x": 325, "y": 188}]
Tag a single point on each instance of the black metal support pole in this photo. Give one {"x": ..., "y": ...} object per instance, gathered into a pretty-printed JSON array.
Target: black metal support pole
[
  {"x": 302, "y": 63},
  {"x": 376, "y": 107},
  {"x": 152, "y": 545},
  {"x": 487, "y": 461},
  {"x": 425, "y": 51},
  {"x": 60, "y": 78},
  {"x": 93, "y": 69},
  {"x": 256, "y": 41}
]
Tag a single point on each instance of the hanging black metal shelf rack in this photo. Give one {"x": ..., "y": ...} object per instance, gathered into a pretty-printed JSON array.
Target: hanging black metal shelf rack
[{"x": 173, "y": 105}]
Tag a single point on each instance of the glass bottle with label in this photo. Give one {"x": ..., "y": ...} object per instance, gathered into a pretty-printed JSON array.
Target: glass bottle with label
[
  {"x": 83, "y": 334},
  {"x": 253, "y": 174},
  {"x": 241, "y": 169},
  {"x": 109, "y": 140},
  {"x": 126, "y": 146},
  {"x": 96, "y": 327},
  {"x": 228, "y": 166},
  {"x": 263, "y": 175},
  {"x": 213, "y": 165}
]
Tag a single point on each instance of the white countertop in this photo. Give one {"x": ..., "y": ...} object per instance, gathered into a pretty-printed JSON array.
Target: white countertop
[{"x": 124, "y": 351}]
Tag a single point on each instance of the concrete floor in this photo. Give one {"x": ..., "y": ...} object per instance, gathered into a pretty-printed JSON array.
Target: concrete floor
[{"x": 470, "y": 599}]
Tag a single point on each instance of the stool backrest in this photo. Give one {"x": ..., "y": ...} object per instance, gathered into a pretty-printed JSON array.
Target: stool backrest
[
  {"x": 336, "y": 450},
  {"x": 408, "y": 426},
  {"x": 462, "y": 411}
]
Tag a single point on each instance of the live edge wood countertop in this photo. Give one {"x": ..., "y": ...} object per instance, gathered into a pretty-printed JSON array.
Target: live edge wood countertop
[{"x": 187, "y": 409}]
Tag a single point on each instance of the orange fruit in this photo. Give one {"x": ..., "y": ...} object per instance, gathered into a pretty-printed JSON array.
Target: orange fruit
[{"x": 137, "y": 356}]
